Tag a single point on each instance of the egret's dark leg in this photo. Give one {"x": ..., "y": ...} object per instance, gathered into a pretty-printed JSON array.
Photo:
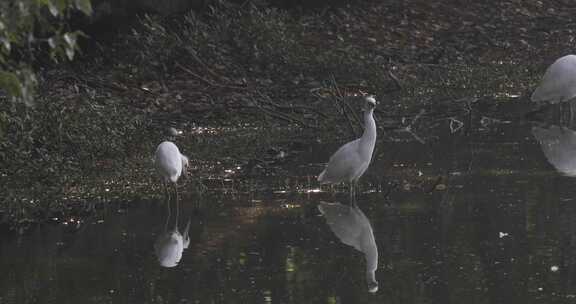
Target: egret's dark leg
[
  {"x": 177, "y": 207},
  {"x": 168, "y": 211},
  {"x": 571, "y": 108},
  {"x": 176, "y": 190},
  {"x": 351, "y": 186},
  {"x": 166, "y": 191},
  {"x": 355, "y": 191}
]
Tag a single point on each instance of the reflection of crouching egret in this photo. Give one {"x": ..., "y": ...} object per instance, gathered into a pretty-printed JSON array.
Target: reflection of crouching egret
[
  {"x": 170, "y": 245},
  {"x": 353, "y": 228},
  {"x": 559, "y": 146},
  {"x": 170, "y": 163},
  {"x": 351, "y": 160}
]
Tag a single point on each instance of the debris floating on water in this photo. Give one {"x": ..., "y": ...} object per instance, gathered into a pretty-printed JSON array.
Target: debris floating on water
[{"x": 554, "y": 268}]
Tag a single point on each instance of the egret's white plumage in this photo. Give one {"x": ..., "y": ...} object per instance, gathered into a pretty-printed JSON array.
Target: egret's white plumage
[
  {"x": 558, "y": 83},
  {"x": 559, "y": 147},
  {"x": 169, "y": 162},
  {"x": 353, "y": 228},
  {"x": 351, "y": 160}
]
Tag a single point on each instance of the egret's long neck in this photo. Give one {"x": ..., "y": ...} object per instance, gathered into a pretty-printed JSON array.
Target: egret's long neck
[{"x": 369, "y": 135}]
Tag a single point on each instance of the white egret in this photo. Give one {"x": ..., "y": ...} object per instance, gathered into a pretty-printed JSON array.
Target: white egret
[
  {"x": 559, "y": 147},
  {"x": 350, "y": 162},
  {"x": 558, "y": 83},
  {"x": 170, "y": 164},
  {"x": 353, "y": 228}
]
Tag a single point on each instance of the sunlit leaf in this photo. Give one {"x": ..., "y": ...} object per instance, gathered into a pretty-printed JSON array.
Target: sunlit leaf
[
  {"x": 6, "y": 44},
  {"x": 85, "y": 6},
  {"x": 51, "y": 7},
  {"x": 52, "y": 42},
  {"x": 70, "y": 39},
  {"x": 70, "y": 53},
  {"x": 23, "y": 8},
  {"x": 53, "y": 10}
]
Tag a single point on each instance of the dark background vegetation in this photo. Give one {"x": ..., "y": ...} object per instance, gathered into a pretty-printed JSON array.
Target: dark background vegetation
[{"x": 97, "y": 115}]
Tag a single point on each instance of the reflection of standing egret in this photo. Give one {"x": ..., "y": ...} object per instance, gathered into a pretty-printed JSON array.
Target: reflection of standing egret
[
  {"x": 353, "y": 228},
  {"x": 170, "y": 164},
  {"x": 351, "y": 160}
]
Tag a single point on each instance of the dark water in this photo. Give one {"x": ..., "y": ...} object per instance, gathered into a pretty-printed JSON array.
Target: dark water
[{"x": 482, "y": 215}]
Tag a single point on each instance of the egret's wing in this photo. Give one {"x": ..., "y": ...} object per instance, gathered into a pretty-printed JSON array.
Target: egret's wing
[
  {"x": 342, "y": 164},
  {"x": 559, "y": 81}
]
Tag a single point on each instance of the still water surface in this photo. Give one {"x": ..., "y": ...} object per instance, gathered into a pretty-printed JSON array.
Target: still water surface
[{"x": 482, "y": 216}]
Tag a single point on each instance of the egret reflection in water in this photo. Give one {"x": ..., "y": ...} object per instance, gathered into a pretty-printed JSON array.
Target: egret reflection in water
[
  {"x": 171, "y": 243},
  {"x": 353, "y": 228},
  {"x": 559, "y": 146}
]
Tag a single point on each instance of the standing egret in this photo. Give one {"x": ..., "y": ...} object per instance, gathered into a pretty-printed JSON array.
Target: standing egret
[
  {"x": 353, "y": 228},
  {"x": 350, "y": 162},
  {"x": 558, "y": 83},
  {"x": 170, "y": 164}
]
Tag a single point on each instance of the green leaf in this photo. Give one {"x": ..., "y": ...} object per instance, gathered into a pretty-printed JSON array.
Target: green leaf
[
  {"x": 11, "y": 83},
  {"x": 60, "y": 5},
  {"x": 85, "y": 6}
]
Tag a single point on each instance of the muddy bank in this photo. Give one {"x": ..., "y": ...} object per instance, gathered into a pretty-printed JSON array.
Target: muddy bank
[{"x": 262, "y": 68}]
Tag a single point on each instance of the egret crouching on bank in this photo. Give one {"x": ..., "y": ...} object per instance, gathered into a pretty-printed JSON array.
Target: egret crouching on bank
[
  {"x": 350, "y": 162},
  {"x": 170, "y": 163},
  {"x": 558, "y": 83}
]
